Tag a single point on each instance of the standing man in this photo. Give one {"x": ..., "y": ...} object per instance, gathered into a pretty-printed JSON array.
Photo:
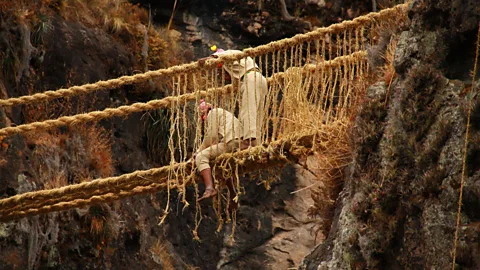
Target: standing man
[
  {"x": 222, "y": 135},
  {"x": 253, "y": 91}
]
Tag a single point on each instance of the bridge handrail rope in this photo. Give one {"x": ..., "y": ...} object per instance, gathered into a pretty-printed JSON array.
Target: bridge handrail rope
[
  {"x": 160, "y": 103},
  {"x": 360, "y": 21}
]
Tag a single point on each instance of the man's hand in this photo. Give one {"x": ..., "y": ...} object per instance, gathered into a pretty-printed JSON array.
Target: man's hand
[{"x": 201, "y": 61}]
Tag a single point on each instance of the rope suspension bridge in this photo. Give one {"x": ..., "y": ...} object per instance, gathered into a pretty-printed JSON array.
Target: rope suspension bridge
[{"x": 311, "y": 97}]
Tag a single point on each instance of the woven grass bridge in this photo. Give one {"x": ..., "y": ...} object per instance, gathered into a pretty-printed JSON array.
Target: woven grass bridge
[{"x": 312, "y": 82}]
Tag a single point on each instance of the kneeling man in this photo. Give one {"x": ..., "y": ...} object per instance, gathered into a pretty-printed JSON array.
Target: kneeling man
[{"x": 223, "y": 132}]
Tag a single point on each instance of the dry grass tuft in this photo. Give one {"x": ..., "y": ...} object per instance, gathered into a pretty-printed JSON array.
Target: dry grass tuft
[
  {"x": 3, "y": 150},
  {"x": 162, "y": 255},
  {"x": 332, "y": 155},
  {"x": 160, "y": 250},
  {"x": 99, "y": 147},
  {"x": 388, "y": 69},
  {"x": 333, "y": 152},
  {"x": 59, "y": 180},
  {"x": 121, "y": 19},
  {"x": 97, "y": 223},
  {"x": 127, "y": 23},
  {"x": 80, "y": 154}
]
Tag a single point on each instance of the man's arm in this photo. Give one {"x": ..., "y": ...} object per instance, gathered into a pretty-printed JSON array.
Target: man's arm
[
  {"x": 202, "y": 61},
  {"x": 211, "y": 136}
]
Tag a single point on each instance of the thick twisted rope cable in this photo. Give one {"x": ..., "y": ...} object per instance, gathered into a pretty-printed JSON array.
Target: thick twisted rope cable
[
  {"x": 85, "y": 189},
  {"x": 78, "y": 203},
  {"x": 175, "y": 70},
  {"x": 105, "y": 190},
  {"x": 161, "y": 103},
  {"x": 38, "y": 199}
]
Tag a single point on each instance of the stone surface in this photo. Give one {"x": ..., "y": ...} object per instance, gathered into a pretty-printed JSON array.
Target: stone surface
[{"x": 288, "y": 235}]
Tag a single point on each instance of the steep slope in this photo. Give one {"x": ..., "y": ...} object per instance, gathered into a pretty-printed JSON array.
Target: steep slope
[{"x": 398, "y": 208}]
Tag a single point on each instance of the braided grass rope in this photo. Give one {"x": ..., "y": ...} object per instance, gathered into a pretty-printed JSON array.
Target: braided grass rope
[
  {"x": 148, "y": 181},
  {"x": 360, "y": 21},
  {"x": 161, "y": 103}
]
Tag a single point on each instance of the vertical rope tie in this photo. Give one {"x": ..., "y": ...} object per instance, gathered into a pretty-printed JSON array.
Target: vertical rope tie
[{"x": 465, "y": 147}]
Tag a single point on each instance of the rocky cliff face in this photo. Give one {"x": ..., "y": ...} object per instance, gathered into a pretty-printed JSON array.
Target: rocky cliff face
[
  {"x": 398, "y": 208},
  {"x": 238, "y": 24},
  {"x": 42, "y": 49}
]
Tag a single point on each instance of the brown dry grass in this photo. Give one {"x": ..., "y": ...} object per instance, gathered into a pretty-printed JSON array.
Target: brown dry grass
[
  {"x": 120, "y": 18},
  {"x": 333, "y": 150},
  {"x": 336, "y": 152},
  {"x": 387, "y": 71},
  {"x": 81, "y": 154},
  {"x": 332, "y": 154},
  {"x": 160, "y": 250},
  {"x": 97, "y": 223},
  {"x": 99, "y": 147},
  {"x": 123, "y": 21},
  {"x": 57, "y": 181},
  {"x": 3, "y": 150}
]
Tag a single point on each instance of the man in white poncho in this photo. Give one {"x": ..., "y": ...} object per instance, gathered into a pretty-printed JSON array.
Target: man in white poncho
[{"x": 253, "y": 90}]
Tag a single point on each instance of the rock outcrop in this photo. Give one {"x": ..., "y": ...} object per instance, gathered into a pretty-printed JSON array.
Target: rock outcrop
[{"x": 398, "y": 208}]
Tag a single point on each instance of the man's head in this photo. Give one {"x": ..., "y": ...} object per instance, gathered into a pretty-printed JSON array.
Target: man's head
[
  {"x": 204, "y": 108},
  {"x": 214, "y": 49},
  {"x": 216, "y": 52}
]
